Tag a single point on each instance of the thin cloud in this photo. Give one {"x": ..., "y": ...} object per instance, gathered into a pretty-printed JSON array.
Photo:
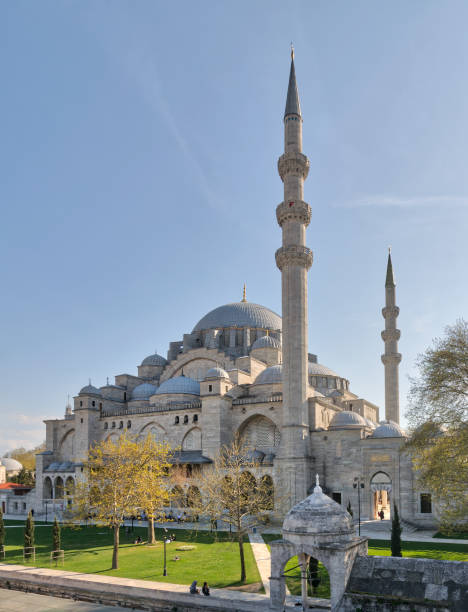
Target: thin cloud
[{"x": 380, "y": 201}]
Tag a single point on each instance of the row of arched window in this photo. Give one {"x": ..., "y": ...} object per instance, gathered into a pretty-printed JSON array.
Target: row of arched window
[
  {"x": 186, "y": 419},
  {"x": 114, "y": 425},
  {"x": 58, "y": 488}
]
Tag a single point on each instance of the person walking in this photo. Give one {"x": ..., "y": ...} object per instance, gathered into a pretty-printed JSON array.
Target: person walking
[{"x": 205, "y": 589}]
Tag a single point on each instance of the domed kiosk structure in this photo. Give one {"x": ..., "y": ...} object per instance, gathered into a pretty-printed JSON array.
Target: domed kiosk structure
[{"x": 315, "y": 527}]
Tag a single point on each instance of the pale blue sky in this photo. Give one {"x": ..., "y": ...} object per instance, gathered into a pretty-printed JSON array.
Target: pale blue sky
[{"x": 138, "y": 180}]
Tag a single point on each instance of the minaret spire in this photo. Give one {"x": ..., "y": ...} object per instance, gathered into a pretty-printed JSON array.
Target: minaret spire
[
  {"x": 391, "y": 358},
  {"x": 293, "y": 106},
  {"x": 294, "y": 259}
]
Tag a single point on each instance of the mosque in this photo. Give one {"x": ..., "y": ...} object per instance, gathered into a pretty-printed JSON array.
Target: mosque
[{"x": 245, "y": 369}]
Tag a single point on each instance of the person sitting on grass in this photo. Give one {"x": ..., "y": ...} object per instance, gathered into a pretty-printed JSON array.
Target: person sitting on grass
[
  {"x": 205, "y": 589},
  {"x": 138, "y": 540},
  {"x": 193, "y": 588}
]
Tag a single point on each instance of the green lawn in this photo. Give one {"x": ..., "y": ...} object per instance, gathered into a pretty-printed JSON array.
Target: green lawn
[
  {"x": 457, "y": 535},
  {"x": 89, "y": 550},
  {"x": 381, "y": 548}
]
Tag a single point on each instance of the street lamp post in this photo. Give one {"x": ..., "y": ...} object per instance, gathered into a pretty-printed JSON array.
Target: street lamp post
[
  {"x": 358, "y": 484},
  {"x": 166, "y": 541}
]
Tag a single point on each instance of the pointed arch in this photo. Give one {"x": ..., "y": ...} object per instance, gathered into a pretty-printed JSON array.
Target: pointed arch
[
  {"x": 59, "y": 487},
  {"x": 192, "y": 439},
  {"x": 156, "y": 430},
  {"x": 48, "y": 489},
  {"x": 260, "y": 432}
]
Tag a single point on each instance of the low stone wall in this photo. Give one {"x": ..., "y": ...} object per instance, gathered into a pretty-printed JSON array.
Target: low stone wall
[
  {"x": 125, "y": 592},
  {"x": 384, "y": 584}
]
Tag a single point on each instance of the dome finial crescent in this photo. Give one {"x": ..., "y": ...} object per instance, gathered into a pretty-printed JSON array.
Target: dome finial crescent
[
  {"x": 244, "y": 298},
  {"x": 317, "y": 488}
]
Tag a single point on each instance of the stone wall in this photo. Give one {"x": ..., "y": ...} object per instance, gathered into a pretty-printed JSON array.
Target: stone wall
[{"x": 381, "y": 584}]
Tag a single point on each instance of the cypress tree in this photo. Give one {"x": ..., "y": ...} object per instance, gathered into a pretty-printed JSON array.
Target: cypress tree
[
  {"x": 56, "y": 536},
  {"x": 349, "y": 509},
  {"x": 396, "y": 534},
  {"x": 29, "y": 535},
  {"x": 2, "y": 532}
]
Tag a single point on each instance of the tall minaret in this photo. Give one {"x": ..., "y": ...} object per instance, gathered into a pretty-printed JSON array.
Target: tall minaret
[
  {"x": 391, "y": 358},
  {"x": 294, "y": 259}
]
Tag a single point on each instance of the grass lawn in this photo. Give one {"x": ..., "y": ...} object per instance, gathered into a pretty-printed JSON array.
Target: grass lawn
[
  {"x": 381, "y": 548},
  {"x": 89, "y": 550}
]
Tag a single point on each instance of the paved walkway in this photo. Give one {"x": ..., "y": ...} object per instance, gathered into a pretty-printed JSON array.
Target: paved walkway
[
  {"x": 15, "y": 601},
  {"x": 262, "y": 558}
]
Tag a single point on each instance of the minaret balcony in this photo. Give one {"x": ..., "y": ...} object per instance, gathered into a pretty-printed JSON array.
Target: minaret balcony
[
  {"x": 295, "y": 255},
  {"x": 293, "y": 210},
  {"x": 391, "y": 334},
  {"x": 391, "y": 358},
  {"x": 293, "y": 163},
  {"x": 390, "y": 312}
]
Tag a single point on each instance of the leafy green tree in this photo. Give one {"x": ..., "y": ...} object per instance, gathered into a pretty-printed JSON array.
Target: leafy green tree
[
  {"x": 396, "y": 533},
  {"x": 24, "y": 477},
  {"x": 438, "y": 416},
  {"x": 349, "y": 509},
  {"x": 56, "y": 536},
  {"x": 29, "y": 535},
  {"x": 2, "y": 531}
]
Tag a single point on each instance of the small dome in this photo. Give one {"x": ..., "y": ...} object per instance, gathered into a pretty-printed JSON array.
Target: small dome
[
  {"x": 154, "y": 360},
  {"x": 266, "y": 342},
  {"x": 271, "y": 375},
  {"x": 90, "y": 390},
  {"x": 216, "y": 373},
  {"x": 317, "y": 369},
  {"x": 179, "y": 384},
  {"x": 240, "y": 314},
  {"x": 10, "y": 464},
  {"x": 143, "y": 391},
  {"x": 347, "y": 419},
  {"x": 388, "y": 429},
  {"x": 318, "y": 515}
]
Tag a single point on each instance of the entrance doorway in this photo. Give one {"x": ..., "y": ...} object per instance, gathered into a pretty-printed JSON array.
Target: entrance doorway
[{"x": 381, "y": 487}]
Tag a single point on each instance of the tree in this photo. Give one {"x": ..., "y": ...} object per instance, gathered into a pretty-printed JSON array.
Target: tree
[
  {"x": 121, "y": 479},
  {"x": 396, "y": 533},
  {"x": 24, "y": 477},
  {"x": 229, "y": 493},
  {"x": 438, "y": 416},
  {"x": 27, "y": 457},
  {"x": 151, "y": 488},
  {"x": 2, "y": 532},
  {"x": 55, "y": 536},
  {"x": 349, "y": 509},
  {"x": 29, "y": 535}
]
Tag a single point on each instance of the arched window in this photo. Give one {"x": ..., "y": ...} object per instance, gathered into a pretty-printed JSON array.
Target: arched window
[
  {"x": 121, "y": 425},
  {"x": 47, "y": 488},
  {"x": 129, "y": 424},
  {"x": 178, "y": 497},
  {"x": 106, "y": 425},
  {"x": 267, "y": 491},
  {"x": 193, "y": 497},
  {"x": 176, "y": 420},
  {"x": 59, "y": 487},
  {"x": 186, "y": 418}
]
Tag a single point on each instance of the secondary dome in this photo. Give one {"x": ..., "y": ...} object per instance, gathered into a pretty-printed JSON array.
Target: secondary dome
[
  {"x": 216, "y": 373},
  {"x": 388, "y": 429},
  {"x": 317, "y": 369},
  {"x": 10, "y": 464},
  {"x": 271, "y": 375},
  {"x": 154, "y": 360},
  {"x": 347, "y": 419},
  {"x": 179, "y": 384},
  {"x": 240, "y": 314},
  {"x": 90, "y": 390},
  {"x": 143, "y": 391},
  {"x": 318, "y": 515},
  {"x": 266, "y": 342}
]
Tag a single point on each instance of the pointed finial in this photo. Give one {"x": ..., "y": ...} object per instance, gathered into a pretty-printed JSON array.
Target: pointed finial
[
  {"x": 317, "y": 488},
  {"x": 390, "y": 279},
  {"x": 244, "y": 298},
  {"x": 292, "y": 51},
  {"x": 89, "y": 381},
  {"x": 107, "y": 380}
]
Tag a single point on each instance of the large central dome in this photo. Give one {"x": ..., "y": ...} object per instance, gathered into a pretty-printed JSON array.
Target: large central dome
[{"x": 240, "y": 314}]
